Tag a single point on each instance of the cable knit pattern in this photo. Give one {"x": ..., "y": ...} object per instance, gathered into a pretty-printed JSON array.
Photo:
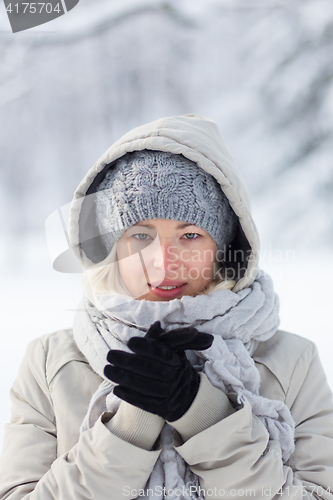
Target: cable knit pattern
[
  {"x": 238, "y": 321},
  {"x": 157, "y": 185}
]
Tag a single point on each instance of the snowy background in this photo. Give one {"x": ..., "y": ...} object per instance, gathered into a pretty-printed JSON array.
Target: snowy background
[{"x": 263, "y": 70}]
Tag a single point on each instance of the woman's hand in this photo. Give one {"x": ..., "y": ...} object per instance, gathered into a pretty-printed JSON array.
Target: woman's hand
[{"x": 158, "y": 377}]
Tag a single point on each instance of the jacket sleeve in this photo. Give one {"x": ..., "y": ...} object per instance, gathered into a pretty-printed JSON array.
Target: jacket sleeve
[
  {"x": 100, "y": 466},
  {"x": 235, "y": 457}
]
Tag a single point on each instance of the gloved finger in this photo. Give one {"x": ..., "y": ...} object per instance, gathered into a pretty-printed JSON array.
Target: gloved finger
[
  {"x": 201, "y": 342},
  {"x": 145, "y": 402},
  {"x": 175, "y": 338},
  {"x": 123, "y": 358},
  {"x": 154, "y": 350},
  {"x": 138, "y": 383},
  {"x": 186, "y": 339},
  {"x": 154, "y": 331},
  {"x": 140, "y": 366}
]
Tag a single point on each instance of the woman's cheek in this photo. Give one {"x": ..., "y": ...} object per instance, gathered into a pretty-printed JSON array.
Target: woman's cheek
[
  {"x": 207, "y": 273},
  {"x": 203, "y": 261},
  {"x": 131, "y": 270}
]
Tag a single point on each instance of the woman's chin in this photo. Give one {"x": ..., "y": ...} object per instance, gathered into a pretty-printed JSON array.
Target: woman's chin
[
  {"x": 151, "y": 298},
  {"x": 156, "y": 296}
]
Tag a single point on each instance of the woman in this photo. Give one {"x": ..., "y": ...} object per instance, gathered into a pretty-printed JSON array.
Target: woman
[{"x": 115, "y": 408}]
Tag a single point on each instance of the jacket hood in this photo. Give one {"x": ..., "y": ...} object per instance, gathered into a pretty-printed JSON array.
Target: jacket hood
[{"x": 198, "y": 139}]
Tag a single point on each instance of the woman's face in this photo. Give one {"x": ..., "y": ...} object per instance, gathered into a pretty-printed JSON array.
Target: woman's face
[{"x": 162, "y": 259}]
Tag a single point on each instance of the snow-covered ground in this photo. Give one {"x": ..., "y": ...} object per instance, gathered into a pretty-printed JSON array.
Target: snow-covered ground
[{"x": 36, "y": 300}]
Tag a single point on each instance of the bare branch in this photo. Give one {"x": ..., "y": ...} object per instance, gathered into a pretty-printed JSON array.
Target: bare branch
[{"x": 114, "y": 19}]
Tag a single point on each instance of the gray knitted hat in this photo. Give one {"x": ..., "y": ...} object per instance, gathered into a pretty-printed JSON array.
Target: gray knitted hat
[{"x": 158, "y": 185}]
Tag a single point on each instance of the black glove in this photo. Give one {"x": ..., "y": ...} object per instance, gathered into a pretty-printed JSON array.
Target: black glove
[{"x": 158, "y": 377}]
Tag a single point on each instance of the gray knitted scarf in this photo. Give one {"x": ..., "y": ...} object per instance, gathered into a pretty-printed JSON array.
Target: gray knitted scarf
[{"x": 238, "y": 321}]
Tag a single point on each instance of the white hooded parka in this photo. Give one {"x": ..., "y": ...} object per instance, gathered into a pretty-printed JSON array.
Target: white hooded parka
[{"x": 46, "y": 458}]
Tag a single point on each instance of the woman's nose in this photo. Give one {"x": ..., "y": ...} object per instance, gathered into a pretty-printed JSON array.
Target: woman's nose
[{"x": 167, "y": 256}]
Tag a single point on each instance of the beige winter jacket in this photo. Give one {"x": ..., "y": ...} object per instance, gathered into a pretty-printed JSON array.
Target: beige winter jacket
[{"x": 46, "y": 458}]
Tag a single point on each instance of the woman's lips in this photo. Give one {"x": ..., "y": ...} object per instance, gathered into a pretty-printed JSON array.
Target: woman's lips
[{"x": 164, "y": 293}]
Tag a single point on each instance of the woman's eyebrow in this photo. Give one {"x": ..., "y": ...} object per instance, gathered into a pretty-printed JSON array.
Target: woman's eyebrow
[
  {"x": 181, "y": 226},
  {"x": 143, "y": 225}
]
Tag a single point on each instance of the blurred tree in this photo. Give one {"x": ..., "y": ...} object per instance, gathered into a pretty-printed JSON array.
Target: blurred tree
[{"x": 261, "y": 69}]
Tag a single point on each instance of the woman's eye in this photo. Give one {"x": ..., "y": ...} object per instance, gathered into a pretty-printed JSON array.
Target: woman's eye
[
  {"x": 141, "y": 236},
  {"x": 191, "y": 236}
]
